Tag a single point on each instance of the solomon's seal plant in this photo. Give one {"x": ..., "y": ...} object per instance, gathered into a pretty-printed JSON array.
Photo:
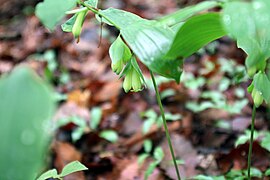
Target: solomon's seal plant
[{"x": 162, "y": 44}]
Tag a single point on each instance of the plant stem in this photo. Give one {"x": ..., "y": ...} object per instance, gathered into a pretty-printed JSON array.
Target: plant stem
[
  {"x": 165, "y": 124},
  {"x": 96, "y": 11},
  {"x": 251, "y": 140}
]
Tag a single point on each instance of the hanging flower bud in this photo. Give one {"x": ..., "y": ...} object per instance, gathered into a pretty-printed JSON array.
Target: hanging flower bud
[
  {"x": 132, "y": 81},
  {"x": 251, "y": 71},
  {"x": 127, "y": 84},
  {"x": 136, "y": 81},
  {"x": 257, "y": 97},
  {"x": 77, "y": 27},
  {"x": 120, "y": 55},
  {"x": 117, "y": 67}
]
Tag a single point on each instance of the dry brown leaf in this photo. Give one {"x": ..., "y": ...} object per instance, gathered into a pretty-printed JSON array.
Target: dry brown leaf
[{"x": 79, "y": 97}]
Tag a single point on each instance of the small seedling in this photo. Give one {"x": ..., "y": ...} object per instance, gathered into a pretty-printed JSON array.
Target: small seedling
[{"x": 70, "y": 168}]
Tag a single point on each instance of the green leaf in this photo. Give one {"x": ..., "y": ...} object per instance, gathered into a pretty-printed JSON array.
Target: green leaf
[
  {"x": 68, "y": 25},
  {"x": 92, "y": 3},
  {"x": 244, "y": 138},
  {"x": 262, "y": 84},
  {"x": 235, "y": 174},
  {"x": 26, "y": 107},
  {"x": 119, "y": 18},
  {"x": 147, "y": 145},
  {"x": 185, "y": 13},
  {"x": 172, "y": 117},
  {"x": 196, "y": 33},
  {"x": 96, "y": 115},
  {"x": 265, "y": 143},
  {"x": 250, "y": 27},
  {"x": 241, "y": 140},
  {"x": 50, "y": 12},
  {"x": 77, "y": 134},
  {"x": 150, "y": 114},
  {"x": 202, "y": 177},
  {"x": 109, "y": 135},
  {"x": 147, "y": 125},
  {"x": 196, "y": 107},
  {"x": 150, "y": 169},
  {"x": 254, "y": 172},
  {"x": 72, "y": 167},
  {"x": 48, "y": 174},
  {"x": 150, "y": 42},
  {"x": 167, "y": 93},
  {"x": 158, "y": 154},
  {"x": 267, "y": 172},
  {"x": 142, "y": 157}
]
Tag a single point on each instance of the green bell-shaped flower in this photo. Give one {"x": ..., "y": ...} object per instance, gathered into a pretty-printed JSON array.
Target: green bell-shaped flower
[
  {"x": 132, "y": 81},
  {"x": 127, "y": 84},
  {"x": 257, "y": 97},
  {"x": 117, "y": 67},
  {"x": 77, "y": 27}
]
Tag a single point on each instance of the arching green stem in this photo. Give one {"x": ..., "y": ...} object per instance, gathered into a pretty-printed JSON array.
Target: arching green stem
[
  {"x": 251, "y": 140},
  {"x": 165, "y": 124},
  {"x": 96, "y": 11}
]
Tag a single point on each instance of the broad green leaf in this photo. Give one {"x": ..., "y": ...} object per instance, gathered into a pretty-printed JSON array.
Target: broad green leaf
[
  {"x": 150, "y": 42},
  {"x": 96, "y": 115},
  {"x": 119, "y": 51},
  {"x": 262, "y": 84},
  {"x": 185, "y": 13},
  {"x": 48, "y": 174},
  {"x": 92, "y": 3},
  {"x": 68, "y": 25},
  {"x": 119, "y": 18},
  {"x": 50, "y": 12},
  {"x": 109, "y": 135},
  {"x": 26, "y": 107},
  {"x": 196, "y": 33},
  {"x": 72, "y": 167},
  {"x": 250, "y": 27}
]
